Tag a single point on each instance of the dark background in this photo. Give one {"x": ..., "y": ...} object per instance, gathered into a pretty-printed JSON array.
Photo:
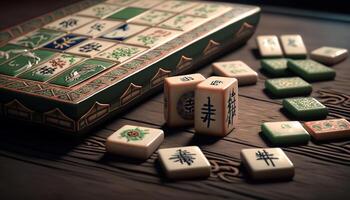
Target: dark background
[{"x": 13, "y": 12}]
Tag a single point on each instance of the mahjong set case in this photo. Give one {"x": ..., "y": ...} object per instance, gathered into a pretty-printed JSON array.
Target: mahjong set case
[{"x": 77, "y": 66}]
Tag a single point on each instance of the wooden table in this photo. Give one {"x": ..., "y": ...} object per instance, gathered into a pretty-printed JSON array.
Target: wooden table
[{"x": 37, "y": 164}]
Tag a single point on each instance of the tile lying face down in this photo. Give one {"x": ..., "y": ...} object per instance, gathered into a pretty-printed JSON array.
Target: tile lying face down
[
  {"x": 179, "y": 99},
  {"x": 293, "y": 46},
  {"x": 311, "y": 70},
  {"x": 269, "y": 46},
  {"x": 285, "y": 133},
  {"x": 184, "y": 162},
  {"x": 329, "y": 129},
  {"x": 236, "y": 69},
  {"x": 329, "y": 55},
  {"x": 216, "y": 107},
  {"x": 267, "y": 164},
  {"x": 135, "y": 141},
  {"x": 291, "y": 86},
  {"x": 305, "y": 108}
]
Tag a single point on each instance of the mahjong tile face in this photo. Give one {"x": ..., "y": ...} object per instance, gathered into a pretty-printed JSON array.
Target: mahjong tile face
[
  {"x": 183, "y": 22},
  {"x": 269, "y": 163},
  {"x": 208, "y": 10},
  {"x": 146, "y": 3},
  {"x": 152, "y": 17},
  {"x": 126, "y": 13},
  {"x": 311, "y": 70},
  {"x": 329, "y": 129},
  {"x": 9, "y": 51},
  {"x": 96, "y": 28},
  {"x": 37, "y": 38},
  {"x": 175, "y": 6},
  {"x": 81, "y": 72},
  {"x": 291, "y": 86},
  {"x": 269, "y": 46},
  {"x": 69, "y": 23},
  {"x": 184, "y": 162},
  {"x": 99, "y": 11},
  {"x": 329, "y": 55},
  {"x": 275, "y": 66},
  {"x": 152, "y": 37},
  {"x": 305, "y": 108},
  {"x": 123, "y": 32},
  {"x": 121, "y": 52},
  {"x": 135, "y": 141},
  {"x": 91, "y": 47},
  {"x": 65, "y": 42},
  {"x": 284, "y": 133},
  {"x": 52, "y": 67},
  {"x": 25, "y": 62}
]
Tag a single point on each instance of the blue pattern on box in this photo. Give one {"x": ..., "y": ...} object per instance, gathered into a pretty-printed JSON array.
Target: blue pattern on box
[{"x": 65, "y": 42}]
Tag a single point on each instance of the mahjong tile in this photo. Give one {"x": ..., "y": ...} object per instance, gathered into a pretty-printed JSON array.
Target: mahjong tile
[
  {"x": 96, "y": 28},
  {"x": 120, "y": 52},
  {"x": 175, "y": 6},
  {"x": 25, "y": 61},
  {"x": 293, "y": 46},
  {"x": 329, "y": 129},
  {"x": 90, "y": 47},
  {"x": 152, "y": 17},
  {"x": 269, "y": 46},
  {"x": 123, "y": 32},
  {"x": 329, "y": 55},
  {"x": 126, "y": 13},
  {"x": 99, "y": 10},
  {"x": 183, "y": 22},
  {"x": 285, "y": 133},
  {"x": 152, "y": 37},
  {"x": 37, "y": 38},
  {"x": 275, "y": 66},
  {"x": 267, "y": 163},
  {"x": 81, "y": 72},
  {"x": 52, "y": 67},
  {"x": 208, "y": 10},
  {"x": 236, "y": 69},
  {"x": 69, "y": 23},
  {"x": 311, "y": 70},
  {"x": 305, "y": 108},
  {"x": 65, "y": 42},
  {"x": 9, "y": 51},
  {"x": 146, "y": 3},
  {"x": 184, "y": 162},
  {"x": 120, "y": 2},
  {"x": 135, "y": 141},
  {"x": 291, "y": 86}
]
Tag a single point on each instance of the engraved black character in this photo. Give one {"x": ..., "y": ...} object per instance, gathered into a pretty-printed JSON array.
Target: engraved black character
[
  {"x": 69, "y": 23},
  {"x": 183, "y": 156},
  {"x": 208, "y": 111},
  {"x": 46, "y": 70},
  {"x": 93, "y": 46},
  {"x": 267, "y": 157},
  {"x": 231, "y": 107},
  {"x": 216, "y": 82},
  {"x": 97, "y": 27},
  {"x": 186, "y": 78}
]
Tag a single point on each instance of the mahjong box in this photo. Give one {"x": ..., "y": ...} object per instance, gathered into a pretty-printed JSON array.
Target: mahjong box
[{"x": 77, "y": 66}]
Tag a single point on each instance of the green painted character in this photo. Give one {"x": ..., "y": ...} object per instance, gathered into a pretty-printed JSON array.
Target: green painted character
[{"x": 135, "y": 134}]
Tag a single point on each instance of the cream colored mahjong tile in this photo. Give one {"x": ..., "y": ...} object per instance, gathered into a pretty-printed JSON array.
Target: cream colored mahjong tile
[
  {"x": 90, "y": 47},
  {"x": 269, "y": 46},
  {"x": 209, "y": 10},
  {"x": 153, "y": 37},
  {"x": 183, "y": 22},
  {"x": 269, "y": 163},
  {"x": 96, "y": 28},
  {"x": 135, "y": 141},
  {"x": 69, "y": 23},
  {"x": 175, "y": 6},
  {"x": 100, "y": 10},
  {"x": 123, "y": 32},
  {"x": 329, "y": 55},
  {"x": 184, "y": 162},
  {"x": 152, "y": 17},
  {"x": 293, "y": 45},
  {"x": 121, "y": 52},
  {"x": 121, "y": 2},
  {"x": 146, "y": 3}
]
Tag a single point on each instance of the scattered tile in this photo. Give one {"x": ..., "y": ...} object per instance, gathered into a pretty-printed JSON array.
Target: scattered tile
[
  {"x": 293, "y": 46},
  {"x": 329, "y": 55},
  {"x": 305, "y": 108},
  {"x": 311, "y": 70},
  {"x": 329, "y": 129},
  {"x": 286, "y": 87},
  {"x": 269, "y": 46}
]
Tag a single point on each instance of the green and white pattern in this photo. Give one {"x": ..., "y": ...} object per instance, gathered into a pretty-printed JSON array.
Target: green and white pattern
[
  {"x": 134, "y": 134},
  {"x": 37, "y": 38},
  {"x": 99, "y": 11},
  {"x": 121, "y": 52}
]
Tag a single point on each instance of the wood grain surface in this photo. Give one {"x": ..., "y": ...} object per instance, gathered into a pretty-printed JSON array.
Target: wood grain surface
[{"x": 38, "y": 164}]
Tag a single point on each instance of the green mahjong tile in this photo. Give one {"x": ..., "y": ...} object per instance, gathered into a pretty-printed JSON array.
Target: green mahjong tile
[
  {"x": 291, "y": 86},
  {"x": 127, "y": 13},
  {"x": 275, "y": 66},
  {"x": 37, "y": 38},
  {"x": 311, "y": 70},
  {"x": 305, "y": 108},
  {"x": 9, "y": 51},
  {"x": 285, "y": 133},
  {"x": 81, "y": 72},
  {"x": 25, "y": 62}
]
